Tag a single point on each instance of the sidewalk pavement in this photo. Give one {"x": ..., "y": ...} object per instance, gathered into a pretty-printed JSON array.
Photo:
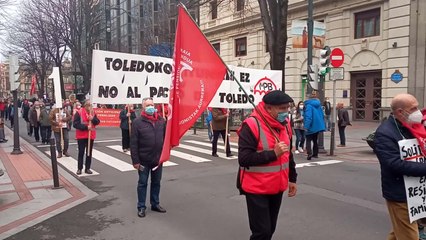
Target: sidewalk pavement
[{"x": 27, "y": 196}]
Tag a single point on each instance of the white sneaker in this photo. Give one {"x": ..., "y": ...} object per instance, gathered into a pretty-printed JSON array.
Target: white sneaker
[
  {"x": 297, "y": 152},
  {"x": 300, "y": 149}
]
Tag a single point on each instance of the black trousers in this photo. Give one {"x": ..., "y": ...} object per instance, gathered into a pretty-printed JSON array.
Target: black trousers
[
  {"x": 342, "y": 135},
  {"x": 216, "y": 137},
  {"x": 263, "y": 213},
  {"x": 37, "y": 133},
  {"x": 312, "y": 138},
  {"x": 82, "y": 148},
  {"x": 125, "y": 138}
]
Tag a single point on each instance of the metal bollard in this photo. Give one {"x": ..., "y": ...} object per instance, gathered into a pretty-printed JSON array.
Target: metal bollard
[{"x": 54, "y": 164}]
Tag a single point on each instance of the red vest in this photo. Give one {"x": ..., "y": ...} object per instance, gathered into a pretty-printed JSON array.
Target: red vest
[
  {"x": 270, "y": 178},
  {"x": 84, "y": 134}
]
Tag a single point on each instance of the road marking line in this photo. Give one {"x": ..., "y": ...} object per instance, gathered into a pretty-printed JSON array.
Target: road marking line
[
  {"x": 189, "y": 157},
  {"x": 75, "y": 143},
  {"x": 112, "y": 161},
  {"x": 120, "y": 149},
  {"x": 205, "y": 151},
  {"x": 210, "y": 145},
  {"x": 319, "y": 163},
  {"x": 71, "y": 164}
]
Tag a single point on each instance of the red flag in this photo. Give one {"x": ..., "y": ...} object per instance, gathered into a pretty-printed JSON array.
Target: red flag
[
  {"x": 197, "y": 74},
  {"x": 33, "y": 84}
]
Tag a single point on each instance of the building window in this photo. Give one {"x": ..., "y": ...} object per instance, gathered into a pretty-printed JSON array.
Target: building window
[
  {"x": 155, "y": 5},
  {"x": 216, "y": 46},
  {"x": 213, "y": 9},
  {"x": 240, "y": 5},
  {"x": 367, "y": 24},
  {"x": 241, "y": 47},
  {"x": 172, "y": 26},
  {"x": 141, "y": 36},
  {"x": 141, "y": 10}
]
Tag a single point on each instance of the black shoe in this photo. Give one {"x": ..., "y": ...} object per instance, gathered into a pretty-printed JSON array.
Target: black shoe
[
  {"x": 215, "y": 155},
  {"x": 66, "y": 154},
  {"x": 141, "y": 213},
  {"x": 315, "y": 156},
  {"x": 309, "y": 157},
  {"x": 79, "y": 172},
  {"x": 159, "y": 209},
  {"x": 88, "y": 171},
  {"x": 229, "y": 155},
  {"x": 59, "y": 155}
]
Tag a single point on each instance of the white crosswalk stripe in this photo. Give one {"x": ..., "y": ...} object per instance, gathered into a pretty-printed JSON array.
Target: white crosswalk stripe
[
  {"x": 112, "y": 161},
  {"x": 71, "y": 164},
  {"x": 120, "y": 149},
  {"x": 188, "y": 151},
  {"x": 204, "y": 151},
  {"x": 219, "y": 145}
]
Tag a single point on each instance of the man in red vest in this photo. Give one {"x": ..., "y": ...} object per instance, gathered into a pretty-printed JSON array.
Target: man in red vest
[
  {"x": 267, "y": 167},
  {"x": 85, "y": 121}
]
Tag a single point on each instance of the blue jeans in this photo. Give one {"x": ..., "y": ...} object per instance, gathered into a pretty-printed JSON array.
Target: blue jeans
[
  {"x": 210, "y": 132},
  {"x": 328, "y": 122},
  {"x": 300, "y": 138},
  {"x": 155, "y": 186}
]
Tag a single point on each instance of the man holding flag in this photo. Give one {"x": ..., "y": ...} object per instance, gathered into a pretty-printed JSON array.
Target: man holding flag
[{"x": 267, "y": 167}]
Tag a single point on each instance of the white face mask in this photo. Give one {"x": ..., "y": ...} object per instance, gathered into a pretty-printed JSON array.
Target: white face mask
[{"x": 415, "y": 117}]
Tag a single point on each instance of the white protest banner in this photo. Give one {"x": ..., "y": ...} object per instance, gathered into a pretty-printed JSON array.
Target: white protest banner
[
  {"x": 415, "y": 187},
  {"x": 255, "y": 82},
  {"x": 57, "y": 86},
  {"x": 122, "y": 78}
]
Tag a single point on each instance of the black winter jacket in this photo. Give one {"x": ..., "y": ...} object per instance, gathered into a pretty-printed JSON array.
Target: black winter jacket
[
  {"x": 392, "y": 167},
  {"x": 146, "y": 141},
  {"x": 124, "y": 120}
]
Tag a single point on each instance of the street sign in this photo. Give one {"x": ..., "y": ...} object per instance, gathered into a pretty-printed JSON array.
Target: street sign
[
  {"x": 337, "y": 74},
  {"x": 397, "y": 76},
  {"x": 337, "y": 57}
]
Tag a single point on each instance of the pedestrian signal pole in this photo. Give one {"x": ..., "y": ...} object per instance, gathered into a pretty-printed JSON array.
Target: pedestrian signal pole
[{"x": 324, "y": 62}]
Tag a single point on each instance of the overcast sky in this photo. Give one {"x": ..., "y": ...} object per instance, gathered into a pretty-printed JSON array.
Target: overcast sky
[{"x": 11, "y": 11}]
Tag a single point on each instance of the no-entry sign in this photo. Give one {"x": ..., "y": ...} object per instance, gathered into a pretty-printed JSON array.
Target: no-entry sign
[{"x": 337, "y": 57}]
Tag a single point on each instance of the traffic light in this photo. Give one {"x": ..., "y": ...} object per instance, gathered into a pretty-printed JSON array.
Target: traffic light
[
  {"x": 324, "y": 61},
  {"x": 313, "y": 76}
]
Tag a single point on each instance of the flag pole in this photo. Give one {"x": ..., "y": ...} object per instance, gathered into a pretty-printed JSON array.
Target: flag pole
[
  {"x": 226, "y": 132},
  {"x": 129, "y": 120},
  {"x": 90, "y": 135},
  {"x": 62, "y": 131},
  {"x": 233, "y": 76}
]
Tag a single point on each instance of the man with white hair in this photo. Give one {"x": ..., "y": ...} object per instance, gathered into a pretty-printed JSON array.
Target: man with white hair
[{"x": 405, "y": 123}]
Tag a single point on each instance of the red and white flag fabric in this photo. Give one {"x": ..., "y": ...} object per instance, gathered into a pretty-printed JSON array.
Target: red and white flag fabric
[
  {"x": 197, "y": 74},
  {"x": 33, "y": 84}
]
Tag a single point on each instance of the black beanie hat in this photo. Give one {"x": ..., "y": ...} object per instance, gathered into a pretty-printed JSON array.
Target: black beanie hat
[{"x": 277, "y": 97}]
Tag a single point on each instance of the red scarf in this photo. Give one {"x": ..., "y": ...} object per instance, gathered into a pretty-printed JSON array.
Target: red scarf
[
  {"x": 153, "y": 118},
  {"x": 418, "y": 130}
]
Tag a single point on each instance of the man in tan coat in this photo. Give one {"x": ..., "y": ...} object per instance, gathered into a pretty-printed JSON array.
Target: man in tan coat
[
  {"x": 59, "y": 118},
  {"x": 220, "y": 116}
]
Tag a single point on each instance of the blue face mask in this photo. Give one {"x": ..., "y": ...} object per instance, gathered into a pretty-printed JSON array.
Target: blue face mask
[
  {"x": 150, "y": 110},
  {"x": 282, "y": 116}
]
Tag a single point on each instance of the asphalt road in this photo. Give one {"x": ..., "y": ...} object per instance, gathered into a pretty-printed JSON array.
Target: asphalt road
[{"x": 336, "y": 201}]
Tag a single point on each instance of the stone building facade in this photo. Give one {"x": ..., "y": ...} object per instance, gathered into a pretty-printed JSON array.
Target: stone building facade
[{"x": 378, "y": 38}]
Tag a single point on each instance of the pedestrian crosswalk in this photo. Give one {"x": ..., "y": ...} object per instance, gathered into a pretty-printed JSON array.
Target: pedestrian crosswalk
[{"x": 189, "y": 151}]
